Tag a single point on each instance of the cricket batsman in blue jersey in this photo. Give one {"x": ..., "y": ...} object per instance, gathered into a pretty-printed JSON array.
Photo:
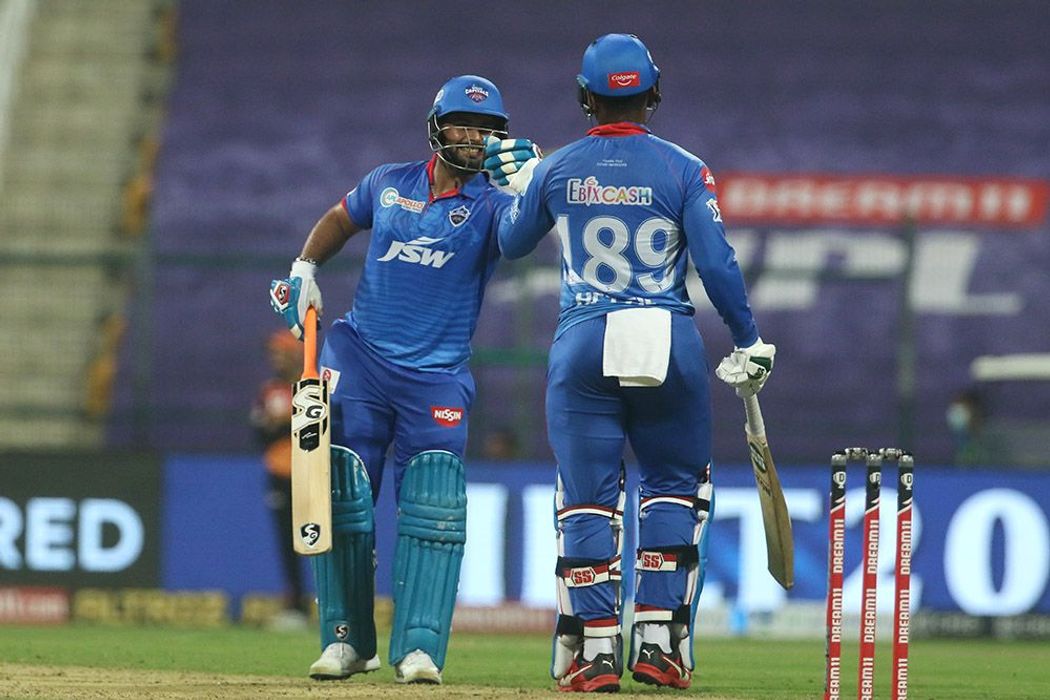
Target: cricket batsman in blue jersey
[
  {"x": 397, "y": 369},
  {"x": 628, "y": 363}
]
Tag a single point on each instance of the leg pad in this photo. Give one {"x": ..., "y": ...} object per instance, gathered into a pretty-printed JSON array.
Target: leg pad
[
  {"x": 345, "y": 576},
  {"x": 431, "y": 531}
]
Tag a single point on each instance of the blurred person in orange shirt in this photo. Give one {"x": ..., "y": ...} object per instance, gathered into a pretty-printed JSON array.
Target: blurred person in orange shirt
[{"x": 271, "y": 417}]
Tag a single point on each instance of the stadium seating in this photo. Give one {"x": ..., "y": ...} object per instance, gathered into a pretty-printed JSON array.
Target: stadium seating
[
  {"x": 280, "y": 107},
  {"x": 73, "y": 128}
]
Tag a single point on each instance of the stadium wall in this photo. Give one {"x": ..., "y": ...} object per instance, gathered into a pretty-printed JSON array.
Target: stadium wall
[{"x": 196, "y": 526}]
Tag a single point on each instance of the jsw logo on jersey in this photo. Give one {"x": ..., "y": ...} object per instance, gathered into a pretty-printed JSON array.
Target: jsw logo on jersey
[
  {"x": 590, "y": 192},
  {"x": 417, "y": 251}
]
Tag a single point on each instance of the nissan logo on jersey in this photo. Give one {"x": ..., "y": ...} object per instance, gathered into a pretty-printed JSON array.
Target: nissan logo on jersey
[{"x": 448, "y": 417}]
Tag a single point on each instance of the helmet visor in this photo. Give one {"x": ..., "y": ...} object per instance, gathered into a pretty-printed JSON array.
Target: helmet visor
[{"x": 458, "y": 138}]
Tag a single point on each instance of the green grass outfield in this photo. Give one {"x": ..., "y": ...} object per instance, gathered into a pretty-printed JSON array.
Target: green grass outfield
[{"x": 480, "y": 666}]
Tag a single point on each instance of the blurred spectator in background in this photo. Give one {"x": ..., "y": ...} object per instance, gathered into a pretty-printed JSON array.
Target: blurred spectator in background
[
  {"x": 500, "y": 445},
  {"x": 974, "y": 446},
  {"x": 271, "y": 417}
]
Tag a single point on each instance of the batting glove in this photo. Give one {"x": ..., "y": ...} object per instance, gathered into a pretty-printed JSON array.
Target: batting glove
[
  {"x": 510, "y": 162},
  {"x": 747, "y": 369},
  {"x": 291, "y": 297}
]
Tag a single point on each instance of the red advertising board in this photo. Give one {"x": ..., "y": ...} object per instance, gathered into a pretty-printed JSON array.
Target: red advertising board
[
  {"x": 821, "y": 198},
  {"x": 29, "y": 605}
]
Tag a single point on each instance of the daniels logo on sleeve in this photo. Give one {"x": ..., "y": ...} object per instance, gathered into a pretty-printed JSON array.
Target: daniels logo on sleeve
[
  {"x": 448, "y": 417},
  {"x": 625, "y": 79}
]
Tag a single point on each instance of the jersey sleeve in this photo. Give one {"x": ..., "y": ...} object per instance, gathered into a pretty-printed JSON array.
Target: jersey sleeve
[
  {"x": 502, "y": 203},
  {"x": 527, "y": 220},
  {"x": 714, "y": 257},
  {"x": 359, "y": 202}
]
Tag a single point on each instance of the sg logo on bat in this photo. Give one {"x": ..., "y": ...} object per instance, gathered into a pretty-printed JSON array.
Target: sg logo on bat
[
  {"x": 310, "y": 533},
  {"x": 309, "y": 413}
]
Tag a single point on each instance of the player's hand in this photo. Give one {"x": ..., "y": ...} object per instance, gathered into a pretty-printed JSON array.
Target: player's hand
[
  {"x": 510, "y": 162},
  {"x": 291, "y": 297},
  {"x": 747, "y": 369}
]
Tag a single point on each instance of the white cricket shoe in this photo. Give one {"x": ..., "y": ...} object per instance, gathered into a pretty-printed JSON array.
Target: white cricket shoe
[
  {"x": 417, "y": 667},
  {"x": 338, "y": 661}
]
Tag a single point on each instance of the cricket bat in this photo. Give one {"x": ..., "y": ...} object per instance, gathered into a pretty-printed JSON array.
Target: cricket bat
[
  {"x": 311, "y": 458},
  {"x": 780, "y": 548}
]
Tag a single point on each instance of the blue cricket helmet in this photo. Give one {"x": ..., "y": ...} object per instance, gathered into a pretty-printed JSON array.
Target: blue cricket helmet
[
  {"x": 468, "y": 93},
  {"x": 617, "y": 65},
  {"x": 465, "y": 94}
]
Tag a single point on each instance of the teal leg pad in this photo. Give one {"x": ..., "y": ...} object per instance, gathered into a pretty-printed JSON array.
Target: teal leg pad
[
  {"x": 431, "y": 531},
  {"x": 345, "y": 576}
]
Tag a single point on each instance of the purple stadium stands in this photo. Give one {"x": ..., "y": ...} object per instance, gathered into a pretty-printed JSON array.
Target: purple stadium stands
[{"x": 279, "y": 107}]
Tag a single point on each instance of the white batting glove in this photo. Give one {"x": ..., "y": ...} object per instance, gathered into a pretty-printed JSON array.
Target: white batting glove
[
  {"x": 510, "y": 162},
  {"x": 747, "y": 369},
  {"x": 291, "y": 297}
]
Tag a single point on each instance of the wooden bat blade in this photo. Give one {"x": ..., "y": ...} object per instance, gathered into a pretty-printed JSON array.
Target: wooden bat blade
[
  {"x": 311, "y": 467},
  {"x": 780, "y": 547}
]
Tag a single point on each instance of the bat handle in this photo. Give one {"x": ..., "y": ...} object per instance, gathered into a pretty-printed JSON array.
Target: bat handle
[
  {"x": 755, "y": 425},
  {"x": 310, "y": 342}
]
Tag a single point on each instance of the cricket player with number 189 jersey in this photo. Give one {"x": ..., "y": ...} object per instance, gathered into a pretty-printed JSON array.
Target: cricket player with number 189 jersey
[{"x": 628, "y": 363}]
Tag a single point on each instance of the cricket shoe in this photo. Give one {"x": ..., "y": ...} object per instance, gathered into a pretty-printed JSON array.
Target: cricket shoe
[
  {"x": 595, "y": 676},
  {"x": 338, "y": 661},
  {"x": 417, "y": 667},
  {"x": 656, "y": 667}
]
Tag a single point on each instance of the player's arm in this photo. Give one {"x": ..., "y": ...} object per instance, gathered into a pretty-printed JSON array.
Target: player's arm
[
  {"x": 292, "y": 296},
  {"x": 517, "y": 165},
  {"x": 329, "y": 234},
  {"x": 747, "y": 368},
  {"x": 526, "y": 221},
  {"x": 715, "y": 262}
]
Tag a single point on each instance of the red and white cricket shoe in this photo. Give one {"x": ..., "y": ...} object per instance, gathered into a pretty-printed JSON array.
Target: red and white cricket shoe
[
  {"x": 656, "y": 667},
  {"x": 595, "y": 676}
]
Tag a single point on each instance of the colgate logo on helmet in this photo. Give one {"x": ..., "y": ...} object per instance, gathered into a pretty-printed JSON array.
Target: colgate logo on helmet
[
  {"x": 625, "y": 80},
  {"x": 446, "y": 416},
  {"x": 477, "y": 93}
]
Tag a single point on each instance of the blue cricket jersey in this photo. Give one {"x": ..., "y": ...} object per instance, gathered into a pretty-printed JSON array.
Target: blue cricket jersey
[
  {"x": 627, "y": 206},
  {"x": 427, "y": 264}
]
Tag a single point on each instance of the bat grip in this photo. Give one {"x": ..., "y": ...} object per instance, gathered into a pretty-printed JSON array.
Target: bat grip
[
  {"x": 755, "y": 425},
  {"x": 310, "y": 342}
]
